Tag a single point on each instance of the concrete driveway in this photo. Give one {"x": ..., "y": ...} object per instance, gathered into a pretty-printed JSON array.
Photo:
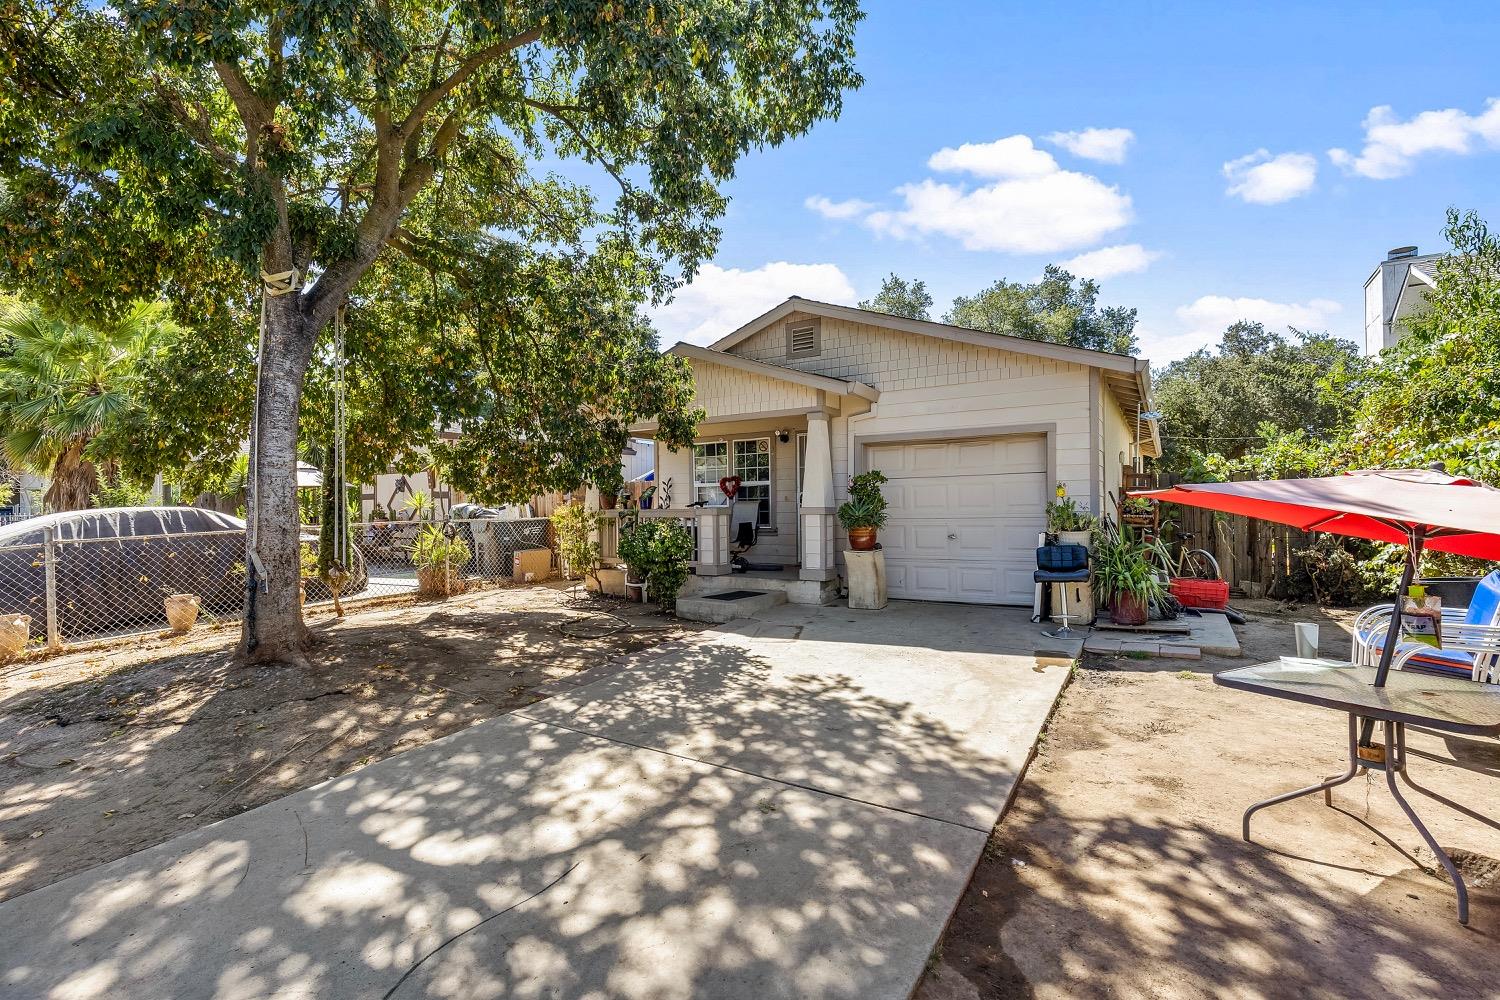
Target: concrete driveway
[{"x": 787, "y": 807}]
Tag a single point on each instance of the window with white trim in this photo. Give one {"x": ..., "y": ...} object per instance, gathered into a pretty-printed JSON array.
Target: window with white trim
[
  {"x": 710, "y": 464},
  {"x": 752, "y": 463},
  {"x": 748, "y": 458}
]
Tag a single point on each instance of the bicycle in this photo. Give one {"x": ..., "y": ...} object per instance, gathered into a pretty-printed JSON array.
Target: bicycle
[{"x": 1189, "y": 563}]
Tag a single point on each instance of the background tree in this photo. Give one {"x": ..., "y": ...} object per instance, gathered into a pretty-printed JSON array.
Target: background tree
[
  {"x": 328, "y": 150},
  {"x": 1251, "y": 389},
  {"x": 900, "y": 297},
  {"x": 1435, "y": 395},
  {"x": 1059, "y": 308},
  {"x": 66, "y": 389}
]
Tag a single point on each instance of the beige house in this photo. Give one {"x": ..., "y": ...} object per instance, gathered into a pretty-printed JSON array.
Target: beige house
[{"x": 974, "y": 431}]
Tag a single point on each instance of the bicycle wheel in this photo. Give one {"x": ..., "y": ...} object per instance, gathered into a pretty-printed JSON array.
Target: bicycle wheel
[{"x": 1200, "y": 565}]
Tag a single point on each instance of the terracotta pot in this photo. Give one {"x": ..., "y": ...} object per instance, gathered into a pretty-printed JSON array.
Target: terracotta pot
[
  {"x": 439, "y": 581},
  {"x": 1127, "y": 610},
  {"x": 14, "y": 631},
  {"x": 182, "y": 611},
  {"x": 607, "y": 501},
  {"x": 862, "y": 539}
]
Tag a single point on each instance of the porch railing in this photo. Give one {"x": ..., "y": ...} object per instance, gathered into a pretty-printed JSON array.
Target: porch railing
[{"x": 709, "y": 527}]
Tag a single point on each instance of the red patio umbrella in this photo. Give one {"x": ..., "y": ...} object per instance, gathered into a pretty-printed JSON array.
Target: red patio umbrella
[{"x": 1419, "y": 508}]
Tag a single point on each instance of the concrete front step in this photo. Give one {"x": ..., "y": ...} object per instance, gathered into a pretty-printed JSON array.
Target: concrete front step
[
  {"x": 815, "y": 592},
  {"x": 728, "y": 605}
]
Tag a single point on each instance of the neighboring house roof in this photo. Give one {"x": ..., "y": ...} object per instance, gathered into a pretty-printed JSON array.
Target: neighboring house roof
[
  {"x": 843, "y": 387},
  {"x": 1128, "y": 377}
]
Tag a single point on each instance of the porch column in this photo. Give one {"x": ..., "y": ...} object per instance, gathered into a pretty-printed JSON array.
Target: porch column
[
  {"x": 817, "y": 527},
  {"x": 713, "y": 541}
]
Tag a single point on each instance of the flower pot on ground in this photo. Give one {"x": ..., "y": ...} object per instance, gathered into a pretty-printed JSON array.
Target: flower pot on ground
[
  {"x": 1125, "y": 578},
  {"x": 15, "y": 630},
  {"x": 863, "y": 514},
  {"x": 182, "y": 611}
]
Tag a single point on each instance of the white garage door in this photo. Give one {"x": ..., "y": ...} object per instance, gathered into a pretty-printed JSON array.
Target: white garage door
[{"x": 963, "y": 518}]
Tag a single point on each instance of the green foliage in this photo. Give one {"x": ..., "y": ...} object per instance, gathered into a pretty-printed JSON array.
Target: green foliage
[
  {"x": 67, "y": 391},
  {"x": 400, "y": 155},
  {"x": 657, "y": 551},
  {"x": 900, "y": 297},
  {"x": 123, "y": 493},
  {"x": 575, "y": 524},
  {"x": 433, "y": 549},
  {"x": 1059, "y": 308},
  {"x": 1346, "y": 571},
  {"x": 866, "y": 505},
  {"x": 1258, "y": 390},
  {"x": 418, "y": 505},
  {"x": 1123, "y": 566},
  {"x": 1434, "y": 395},
  {"x": 1064, "y": 514}
]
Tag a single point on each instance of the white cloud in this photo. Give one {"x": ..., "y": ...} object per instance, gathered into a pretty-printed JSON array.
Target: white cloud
[
  {"x": 1263, "y": 179},
  {"x": 721, "y": 300},
  {"x": 829, "y": 209},
  {"x": 1025, "y": 202},
  {"x": 1011, "y": 157},
  {"x": 1109, "y": 262},
  {"x": 1392, "y": 145},
  {"x": 1207, "y": 316},
  {"x": 1107, "y": 145}
]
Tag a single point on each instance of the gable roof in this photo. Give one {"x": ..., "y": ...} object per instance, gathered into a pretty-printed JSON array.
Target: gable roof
[
  {"x": 1127, "y": 376},
  {"x": 839, "y": 386},
  {"x": 942, "y": 331}
]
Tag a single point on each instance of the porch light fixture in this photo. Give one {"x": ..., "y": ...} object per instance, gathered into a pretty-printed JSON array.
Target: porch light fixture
[{"x": 783, "y": 436}]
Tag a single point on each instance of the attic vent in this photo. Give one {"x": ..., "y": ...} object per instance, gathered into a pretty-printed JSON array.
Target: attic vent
[{"x": 803, "y": 338}]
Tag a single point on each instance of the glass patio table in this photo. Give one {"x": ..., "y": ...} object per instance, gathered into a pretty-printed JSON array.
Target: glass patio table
[{"x": 1444, "y": 704}]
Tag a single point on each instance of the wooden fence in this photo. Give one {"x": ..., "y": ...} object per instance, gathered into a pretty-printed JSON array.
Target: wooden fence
[{"x": 1248, "y": 550}]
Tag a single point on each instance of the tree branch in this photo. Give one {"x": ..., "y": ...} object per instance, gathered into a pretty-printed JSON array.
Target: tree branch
[
  {"x": 556, "y": 111},
  {"x": 434, "y": 95}
]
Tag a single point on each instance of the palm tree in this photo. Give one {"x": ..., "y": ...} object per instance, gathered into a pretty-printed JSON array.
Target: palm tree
[{"x": 62, "y": 384}]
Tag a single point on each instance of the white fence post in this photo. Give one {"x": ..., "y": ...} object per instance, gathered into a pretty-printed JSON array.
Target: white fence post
[{"x": 49, "y": 562}]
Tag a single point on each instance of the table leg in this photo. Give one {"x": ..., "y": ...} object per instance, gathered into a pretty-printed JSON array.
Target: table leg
[
  {"x": 1395, "y": 742},
  {"x": 1322, "y": 786}
]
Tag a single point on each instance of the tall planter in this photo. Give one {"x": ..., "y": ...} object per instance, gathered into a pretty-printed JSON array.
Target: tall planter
[{"x": 1127, "y": 609}]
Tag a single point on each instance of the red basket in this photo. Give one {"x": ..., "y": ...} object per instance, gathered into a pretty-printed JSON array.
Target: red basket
[{"x": 1200, "y": 593}]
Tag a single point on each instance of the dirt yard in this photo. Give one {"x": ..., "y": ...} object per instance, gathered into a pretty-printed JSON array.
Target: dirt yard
[
  {"x": 108, "y": 751},
  {"x": 1119, "y": 870}
]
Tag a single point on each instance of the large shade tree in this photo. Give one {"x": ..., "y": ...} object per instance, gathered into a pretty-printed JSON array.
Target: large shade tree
[{"x": 384, "y": 159}]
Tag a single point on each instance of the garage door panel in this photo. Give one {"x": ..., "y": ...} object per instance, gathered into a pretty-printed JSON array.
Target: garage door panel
[{"x": 988, "y": 493}]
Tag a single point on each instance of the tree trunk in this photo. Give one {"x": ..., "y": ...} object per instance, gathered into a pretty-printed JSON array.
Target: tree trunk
[
  {"x": 74, "y": 480},
  {"x": 273, "y": 630}
]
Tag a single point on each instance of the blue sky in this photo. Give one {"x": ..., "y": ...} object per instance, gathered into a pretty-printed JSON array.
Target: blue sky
[{"x": 1209, "y": 186}]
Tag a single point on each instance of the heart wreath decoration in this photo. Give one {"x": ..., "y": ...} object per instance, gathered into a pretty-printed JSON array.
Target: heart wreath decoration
[{"x": 729, "y": 486}]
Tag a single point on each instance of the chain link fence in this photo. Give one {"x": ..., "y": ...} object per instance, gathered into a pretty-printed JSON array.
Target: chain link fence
[{"x": 89, "y": 589}]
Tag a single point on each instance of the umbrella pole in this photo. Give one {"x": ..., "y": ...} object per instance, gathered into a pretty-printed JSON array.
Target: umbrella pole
[{"x": 1388, "y": 648}]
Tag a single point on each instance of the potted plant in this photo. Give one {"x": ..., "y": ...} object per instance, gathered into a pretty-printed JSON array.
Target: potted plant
[
  {"x": 863, "y": 514},
  {"x": 1068, "y": 522},
  {"x": 1125, "y": 578},
  {"x": 439, "y": 561}
]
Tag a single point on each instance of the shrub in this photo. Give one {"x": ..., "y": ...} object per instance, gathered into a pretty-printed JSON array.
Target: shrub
[
  {"x": 575, "y": 525},
  {"x": 657, "y": 551}
]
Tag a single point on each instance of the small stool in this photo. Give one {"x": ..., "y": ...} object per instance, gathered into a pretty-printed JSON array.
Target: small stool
[{"x": 1062, "y": 564}]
